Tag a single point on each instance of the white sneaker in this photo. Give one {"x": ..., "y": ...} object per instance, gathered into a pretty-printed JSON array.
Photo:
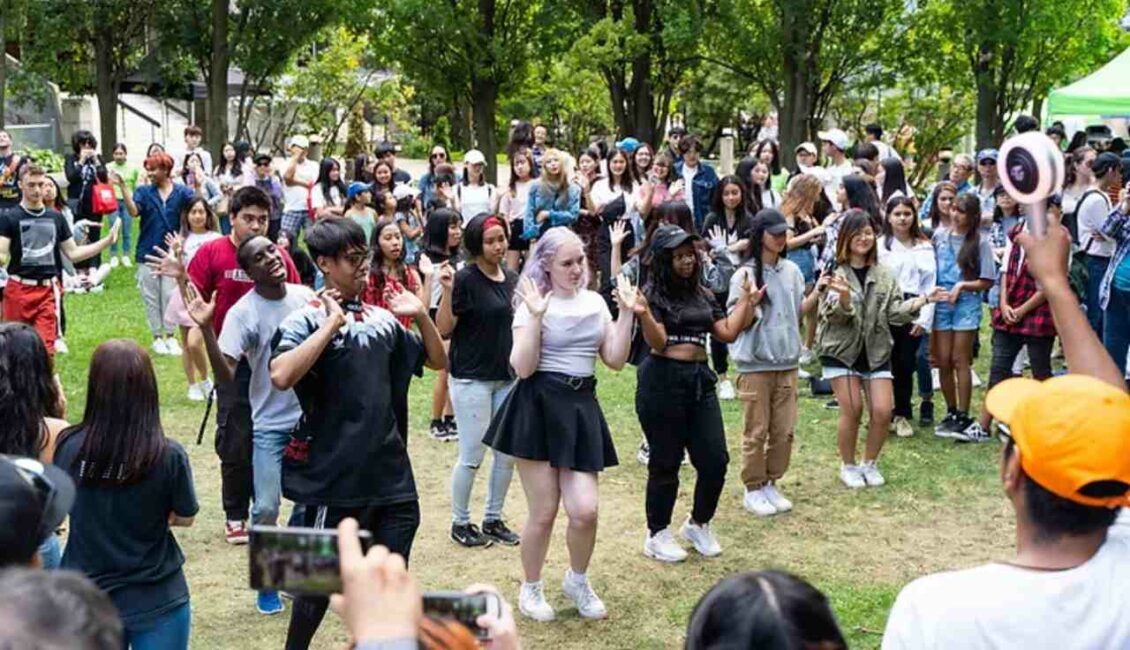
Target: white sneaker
[
  {"x": 758, "y": 503},
  {"x": 702, "y": 537},
  {"x": 903, "y": 428},
  {"x": 852, "y": 476},
  {"x": 61, "y": 346},
  {"x": 532, "y": 604},
  {"x": 776, "y": 498},
  {"x": 114, "y": 262},
  {"x": 663, "y": 547},
  {"x": 643, "y": 454},
  {"x": 871, "y": 474},
  {"x": 195, "y": 393},
  {"x": 578, "y": 589},
  {"x": 726, "y": 390},
  {"x": 806, "y": 356},
  {"x": 803, "y": 374},
  {"x": 126, "y": 261},
  {"x": 206, "y": 387},
  {"x": 173, "y": 347},
  {"x": 159, "y": 347}
]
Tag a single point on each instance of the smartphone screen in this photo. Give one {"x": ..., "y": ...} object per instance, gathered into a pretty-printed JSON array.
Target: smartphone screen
[
  {"x": 297, "y": 560},
  {"x": 461, "y": 607}
]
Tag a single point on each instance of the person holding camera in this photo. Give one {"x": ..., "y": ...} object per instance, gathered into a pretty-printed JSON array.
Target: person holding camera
[{"x": 83, "y": 168}]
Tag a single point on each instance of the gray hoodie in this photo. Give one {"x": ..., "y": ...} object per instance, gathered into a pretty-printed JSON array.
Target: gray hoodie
[{"x": 773, "y": 341}]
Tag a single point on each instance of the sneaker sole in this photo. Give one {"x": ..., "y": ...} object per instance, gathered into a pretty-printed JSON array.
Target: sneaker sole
[
  {"x": 539, "y": 619},
  {"x": 237, "y": 541},
  {"x": 271, "y": 612},
  {"x": 459, "y": 543},
  {"x": 503, "y": 542},
  {"x": 667, "y": 560},
  {"x": 759, "y": 514},
  {"x": 697, "y": 549}
]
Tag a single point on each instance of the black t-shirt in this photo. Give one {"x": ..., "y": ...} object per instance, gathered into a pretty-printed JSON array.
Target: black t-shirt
[
  {"x": 400, "y": 177},
  {"x": 346, "y": 450},
  {"x": 688, "y": 320},
  {"x": 35, "y": 238},
  {"x": 9, "y": 179},
  {"x": 481, "y": 342},
  {"x": 120, "y": 536}
]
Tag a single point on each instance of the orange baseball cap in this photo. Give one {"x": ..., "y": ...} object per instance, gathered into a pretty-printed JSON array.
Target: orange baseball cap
[{"x": 1071, "y": 431}]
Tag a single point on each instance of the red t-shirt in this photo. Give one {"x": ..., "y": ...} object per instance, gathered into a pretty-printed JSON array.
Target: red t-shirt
[{"x": 215, "y": 268}]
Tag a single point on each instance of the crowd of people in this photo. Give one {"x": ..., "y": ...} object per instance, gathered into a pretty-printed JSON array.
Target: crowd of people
[{"x": 287, "y": 283}]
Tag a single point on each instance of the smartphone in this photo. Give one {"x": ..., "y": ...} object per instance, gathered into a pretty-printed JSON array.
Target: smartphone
[
  {"x": 297, "y": 560},
  {"x": 462, "y": 607}
]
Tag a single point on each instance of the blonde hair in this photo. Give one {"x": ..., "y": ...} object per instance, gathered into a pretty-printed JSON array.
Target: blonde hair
[{"x": 802, "y": 195}]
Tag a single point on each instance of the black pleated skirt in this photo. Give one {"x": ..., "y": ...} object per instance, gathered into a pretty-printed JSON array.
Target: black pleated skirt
[{"x": 554, "y": 418}]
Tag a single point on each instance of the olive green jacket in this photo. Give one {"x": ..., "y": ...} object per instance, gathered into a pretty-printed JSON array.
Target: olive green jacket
[{"x": 842, "y": 333}]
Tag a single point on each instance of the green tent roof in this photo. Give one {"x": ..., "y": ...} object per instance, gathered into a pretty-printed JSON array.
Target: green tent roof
[{"x": 1103, "y": 92}]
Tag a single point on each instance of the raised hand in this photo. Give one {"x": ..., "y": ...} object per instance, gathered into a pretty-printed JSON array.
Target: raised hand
[
  {"x": 535, "y": 300},
  {"x": 330, "y": 300},
  {"x": 840, "y": 285},
  {"x": 446, "y": 275},
  {"x": 163, "y": 263},
  {"x": 676, "y": 187},
  {"x": 619, "y": 233},
  {"x": 199, "y": 311},
  {"x": 629, "y": 296},
  {"x": 175, "y": 243},
  {"x": 424, "y": 264},
  {"x": 717, "y": 236},
  {"x": 756, "y": 295},
  {"x": 115, "y": 232},
  {"x": 406, "y": 304}
]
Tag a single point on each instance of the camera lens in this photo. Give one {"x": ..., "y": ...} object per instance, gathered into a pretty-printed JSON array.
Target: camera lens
[{"x": 1022, "y": 170}]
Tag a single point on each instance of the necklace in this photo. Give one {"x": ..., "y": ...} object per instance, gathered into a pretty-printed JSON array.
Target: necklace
[{"x": 34, "y": 214}]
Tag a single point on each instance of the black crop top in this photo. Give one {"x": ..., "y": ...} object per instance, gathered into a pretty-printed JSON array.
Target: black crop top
[{"x": 690, "y": 320}]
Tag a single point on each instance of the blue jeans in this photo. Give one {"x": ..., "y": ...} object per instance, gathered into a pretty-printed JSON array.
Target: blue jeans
[
  {"x": 1116, "y": 327},
  {"x": 122, "y": 246},
  {"x": 266, "y": 471},
  {"x": 167, "y": 632},
  {"x": 475, "y": 402},
  {"x": 51, "y": 552},
  {"x": 1096, "y": 269}
]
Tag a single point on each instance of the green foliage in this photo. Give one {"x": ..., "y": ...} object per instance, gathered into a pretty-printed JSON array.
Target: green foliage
[
  {"x": 355, "y": 140},
  {"x": 50, "y": 161},
  {"x": 569, "y": 98}
]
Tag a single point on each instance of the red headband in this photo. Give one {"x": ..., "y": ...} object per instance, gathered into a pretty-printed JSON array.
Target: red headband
[{"x": 492, "y": 221}]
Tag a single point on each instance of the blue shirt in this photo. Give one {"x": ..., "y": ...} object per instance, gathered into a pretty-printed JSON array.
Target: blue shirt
[{"x": 158, "y": 217}]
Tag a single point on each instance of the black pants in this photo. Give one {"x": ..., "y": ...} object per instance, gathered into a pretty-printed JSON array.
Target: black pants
[
  {"x": 233, "y": 442},
  {"x": 719, "y": 352},
  {"x": 393, "y": 526},
  {"x": 1006, "y": 347},
  {"x": 904, "y": 362},
  {"x": 678, "y": 409}
]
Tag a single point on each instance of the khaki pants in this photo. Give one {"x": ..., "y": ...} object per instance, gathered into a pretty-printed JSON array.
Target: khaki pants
[{"x": 770, "y": 403}]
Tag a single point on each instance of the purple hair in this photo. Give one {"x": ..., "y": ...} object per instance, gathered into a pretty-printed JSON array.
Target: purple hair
[{"x": 538, "y": 264}]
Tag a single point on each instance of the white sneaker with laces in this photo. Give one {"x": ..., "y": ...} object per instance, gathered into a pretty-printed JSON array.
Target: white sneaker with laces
[
  {"x": 206, "y": 387},
  {"x": 776, "y": 498},
  {"x": 903, "y": 428},
  {"x": 702, "y": 537},
  {"x": 578, "y": 589},
  {"x": 173, "y": 347},
  {"x": 61, "y": 346},
  {"x": 726, "y": 390},
  {"x": 114, "y": 262},
  {"x": 195, "y": 394},
  {"x": 532, "y": 604},
  {"x": 159, "y": 347},
  {"x": 757, "y": 502},
  {"x": 663, "y": 547},
  {"x": 871, "y": 474},
  {"x": 852, "y": 476}
]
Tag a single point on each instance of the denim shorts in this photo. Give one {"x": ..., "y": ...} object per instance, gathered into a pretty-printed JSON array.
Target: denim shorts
[
  {"x": 965, "y": 316},
  {"x": 831, "y": 373}
]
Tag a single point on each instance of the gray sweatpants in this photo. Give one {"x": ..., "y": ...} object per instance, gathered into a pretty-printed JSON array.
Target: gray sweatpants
[{"x": 156, "y": 291}]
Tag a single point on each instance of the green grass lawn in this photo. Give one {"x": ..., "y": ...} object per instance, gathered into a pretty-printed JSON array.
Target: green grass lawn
[{"x": 941, "y": 508}]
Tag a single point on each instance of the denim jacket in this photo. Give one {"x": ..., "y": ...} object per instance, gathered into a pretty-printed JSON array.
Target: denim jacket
[
  {"x": 1115, "y": 227},
  {"x": 704, "y": 182},
  {"x": 563, "y": 208}
]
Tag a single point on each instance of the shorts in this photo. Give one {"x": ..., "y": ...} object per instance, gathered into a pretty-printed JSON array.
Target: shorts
[
  {"x": 965, "y": 316},
  {"x": 884, "y": 372}
]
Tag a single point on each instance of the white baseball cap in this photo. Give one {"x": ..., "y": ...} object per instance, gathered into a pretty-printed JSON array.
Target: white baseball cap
[
  {"x": 300, "y": 141},
  {"x": 806, "y": 147},
  {"x": 838, "y": 138},
  {"x": 474, "y": 157}
]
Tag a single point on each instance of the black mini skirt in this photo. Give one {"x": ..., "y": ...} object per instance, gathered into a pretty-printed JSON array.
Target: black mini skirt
[{"x": 554, "y": 418}]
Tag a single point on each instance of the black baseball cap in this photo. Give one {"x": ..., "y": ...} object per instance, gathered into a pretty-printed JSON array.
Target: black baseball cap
[
  {"x": 259, "y": 159},
  {"x": 1104, "y": 162},
  {"x": 771, "y": 221},
  {"x": 670, "y": 237},
  {"x": 385, "y": 148},
  {"x": 34, "y": 499}
]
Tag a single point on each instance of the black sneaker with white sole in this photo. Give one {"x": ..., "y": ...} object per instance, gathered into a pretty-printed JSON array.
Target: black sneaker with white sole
[
  {"x": 949, "y": 426},
  {"x": 973, "y": 433},
  {"x": 832, "y": 405},
  {"x": 440, "y": 432},
  {"x": 468, "y": 535},
  {"x": 499, "y": 532}
]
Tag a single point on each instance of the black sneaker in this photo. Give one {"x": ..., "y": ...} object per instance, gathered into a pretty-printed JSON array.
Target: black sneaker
[
  {"x": 832, "y": 405},
  {"x": 440, "y": 432},
  {"x": 950, "y": 425},
  {"x": 468, "y": 535},
  {"x": 452, "y": 429},
  {"x": 926, "y": 414},
  {"x": 498, "y": 531},
  {"x": 973, "y": 433}
]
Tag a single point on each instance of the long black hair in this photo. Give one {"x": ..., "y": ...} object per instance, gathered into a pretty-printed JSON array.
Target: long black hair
[
  {"x": 122, "y": 421},
  {"x": 744, "y": 209},
  {"x": 28, "y": 393},
  {"x": 969, "y": 257},
  {"x": 894, "y": 178},
  {"x": 327, "y": 165},
  {"x": 435, "y": 234},
  {"x": 916, "y": 233},
  {"x": 666, "y": 290},
  {"x": 775, "y": 165},
  {"x": 626, "y": 177},
  {"x": 360, "y": 172},
  {"x": 763, "y": 609},
  {"x": 861, "y": 196},
  {"x": 752, "y": 253},
  {"x": 376, "y": 269}
]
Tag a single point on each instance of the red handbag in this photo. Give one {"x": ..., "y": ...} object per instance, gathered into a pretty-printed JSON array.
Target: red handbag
[{"x": 102, "y": 199}]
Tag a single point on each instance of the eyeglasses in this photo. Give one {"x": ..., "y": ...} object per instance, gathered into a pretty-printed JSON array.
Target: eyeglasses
[
  {"x": 439, "y": 155},
  {"x": 357, "y": 258}
]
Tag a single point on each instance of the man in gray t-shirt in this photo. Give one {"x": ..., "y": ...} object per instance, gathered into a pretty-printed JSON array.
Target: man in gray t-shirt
[{"x": 248, "y": 329}]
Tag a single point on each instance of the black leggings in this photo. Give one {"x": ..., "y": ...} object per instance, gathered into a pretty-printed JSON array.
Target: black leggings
[
  {"x": 904, "y": 362},
  {"x": 679, "y": 410},
  {"x": 233, "y": 442},
  {"x": 393, "y": 526},
  {"x": 719, "y": 352},
  {"x": 1006, "y": 347}
]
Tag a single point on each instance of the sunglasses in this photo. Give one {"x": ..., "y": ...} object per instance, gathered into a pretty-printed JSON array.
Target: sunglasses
[
  {"x": 986, "y": 163},
  {"x": 441, "y": 156}
]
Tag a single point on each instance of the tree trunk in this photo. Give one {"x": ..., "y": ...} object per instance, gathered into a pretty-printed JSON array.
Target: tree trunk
[
  {"x": 793, "y": 121},
  {"x": 106, "y": 88},
  {"x": 218, "y": 82},
  {"x": 5, "y": 7},
  {"x": 641, "y": 96},
  {"x": 986, "y": 97},
  {"x": 483, "y": 107}
]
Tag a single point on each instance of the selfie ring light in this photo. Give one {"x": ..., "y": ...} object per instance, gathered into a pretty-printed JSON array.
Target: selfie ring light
[{"x": 1030, "y": 167}]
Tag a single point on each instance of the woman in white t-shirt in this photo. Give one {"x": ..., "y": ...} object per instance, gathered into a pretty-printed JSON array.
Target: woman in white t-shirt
[
  {"x": 476, "y": 195},
  {"x": 616, "y": 198},
  {"x": 551, "y": 422},
  {"x": 328, "y": 195}
]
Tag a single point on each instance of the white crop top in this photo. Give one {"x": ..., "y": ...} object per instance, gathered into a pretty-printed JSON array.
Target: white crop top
[{"x": 572, "y": 331}]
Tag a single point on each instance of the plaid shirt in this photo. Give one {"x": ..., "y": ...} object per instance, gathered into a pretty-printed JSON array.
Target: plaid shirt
[
  {"x": 1021, "y": 287},
  {"x": 1115, "y": 227}
]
